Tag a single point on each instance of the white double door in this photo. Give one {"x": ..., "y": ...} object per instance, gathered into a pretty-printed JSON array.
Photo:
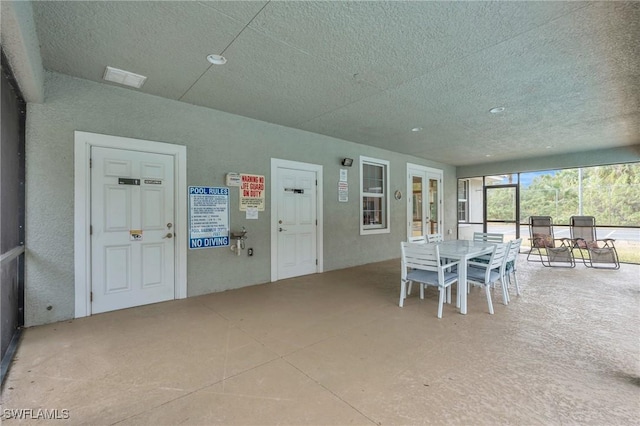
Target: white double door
[
  {"x": 424, "y": 201},
  {"x": 132, "y": 222}
]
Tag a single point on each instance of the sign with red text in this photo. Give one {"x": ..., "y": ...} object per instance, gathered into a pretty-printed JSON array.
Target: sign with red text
[{"x": 252, "y": 189}]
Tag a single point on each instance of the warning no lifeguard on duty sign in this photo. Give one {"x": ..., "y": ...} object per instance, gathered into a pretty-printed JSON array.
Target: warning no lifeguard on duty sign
[{"x": 208, "y": 217}]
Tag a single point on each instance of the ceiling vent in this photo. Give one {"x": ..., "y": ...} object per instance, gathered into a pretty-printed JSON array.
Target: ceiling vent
[{"x": 124, "y": 77}]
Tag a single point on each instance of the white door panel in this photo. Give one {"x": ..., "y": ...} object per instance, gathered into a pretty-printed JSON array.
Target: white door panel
[
  {"x": 127, "y": 270},
  {"x": 305, "y": 247},
  {"x": 117, "y": 168},
  {"x": 152, "y": 170},
  {"x": 287, "y": 252},
  {"x": 117, "y": 205},
  {"x": 152, "y": 255},
  {"x": 287, "y": 214},
  {"x": 153, "y": 208},
  {"x": 297, "y": 222},
  {"x": 117, "y": 268}
]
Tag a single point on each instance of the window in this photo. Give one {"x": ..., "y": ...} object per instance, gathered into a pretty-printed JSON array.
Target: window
[
  {"x": 374, "y": 196},
  {"x": 463, "y": 200}
]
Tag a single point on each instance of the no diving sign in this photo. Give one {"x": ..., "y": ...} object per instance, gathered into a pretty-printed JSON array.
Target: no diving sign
[{"x": 208, "y": 217}]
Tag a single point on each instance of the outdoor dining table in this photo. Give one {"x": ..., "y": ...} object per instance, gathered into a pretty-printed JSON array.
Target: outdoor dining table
[{"x": 463, "y": 250}]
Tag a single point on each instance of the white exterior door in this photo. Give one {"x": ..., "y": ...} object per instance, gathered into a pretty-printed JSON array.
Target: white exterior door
[
  {"x": 296, "y": 222},
  {"x": 424, "y": 201},
  {"x": 132, "y": 222}
]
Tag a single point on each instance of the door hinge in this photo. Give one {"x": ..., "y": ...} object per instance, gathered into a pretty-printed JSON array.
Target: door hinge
[
  {"x": 316, "y": 262},
  {"x": 316, "y": 222},
  {"x": 90, "y": 163},
  {"x": 316, "y": 182},
  {"x": 91, "y": 297},
  {"x": 90, "y": 229}
]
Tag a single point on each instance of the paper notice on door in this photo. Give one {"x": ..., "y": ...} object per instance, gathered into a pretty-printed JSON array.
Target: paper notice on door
[{"x": 252, "y": 212}]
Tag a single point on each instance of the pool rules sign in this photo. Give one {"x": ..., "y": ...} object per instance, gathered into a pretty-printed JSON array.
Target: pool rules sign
[{"x": 208, "y": 217}]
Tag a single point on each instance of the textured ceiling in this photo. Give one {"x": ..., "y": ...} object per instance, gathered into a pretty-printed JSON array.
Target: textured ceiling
[{"x": 568, "y": 73}]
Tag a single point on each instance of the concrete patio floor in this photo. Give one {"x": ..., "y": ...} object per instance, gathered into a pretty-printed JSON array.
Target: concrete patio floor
[{"x": 335, "y": 349}]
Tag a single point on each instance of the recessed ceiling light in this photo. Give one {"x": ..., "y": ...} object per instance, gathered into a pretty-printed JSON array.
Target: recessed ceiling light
[
  {"x": 496, "y": 110},
  {"x": 548, "y": 147},
  {"x": 217, "y": 59},
  {"x": 124, "y": 77},
  {"x": 416, "y": 129},
  {"x": 487, "y": 155}
]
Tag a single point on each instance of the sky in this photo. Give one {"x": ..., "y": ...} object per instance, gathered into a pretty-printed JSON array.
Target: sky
[{"x": 527, "y": 178}]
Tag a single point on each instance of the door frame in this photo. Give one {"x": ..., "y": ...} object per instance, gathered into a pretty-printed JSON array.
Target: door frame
[
  {"x": 427, "y": 171},
  {"x": 486, "y": 188},
  {"x": 295, "y": 165},
  {"x": 84, "y": 141}
]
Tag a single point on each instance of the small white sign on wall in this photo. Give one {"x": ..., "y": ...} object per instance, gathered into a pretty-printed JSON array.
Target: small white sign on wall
[
  {"x": 343, "y": 175},
  {"x": 233, "y": 179},
  {"x": 252, "y": 213},
  {"x": 343, "y": 192}
]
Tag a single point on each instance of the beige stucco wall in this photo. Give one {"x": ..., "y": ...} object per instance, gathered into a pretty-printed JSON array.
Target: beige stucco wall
[{"x": 216, "y": 143}]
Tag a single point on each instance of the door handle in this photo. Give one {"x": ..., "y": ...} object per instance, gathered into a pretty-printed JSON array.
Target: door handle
[
  {"x": 169, "y": 235},
  {"x": 281, "y": 229}
]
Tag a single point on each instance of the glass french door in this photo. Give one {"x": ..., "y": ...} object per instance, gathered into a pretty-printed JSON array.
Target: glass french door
[{"x": 424, "y": 201}]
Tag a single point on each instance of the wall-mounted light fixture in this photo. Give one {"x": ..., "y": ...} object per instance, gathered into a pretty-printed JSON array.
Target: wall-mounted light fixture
[{"x": 347, "y": 162}]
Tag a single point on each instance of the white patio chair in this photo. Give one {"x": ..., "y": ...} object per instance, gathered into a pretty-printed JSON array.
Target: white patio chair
[
  {"x": 430, "y": 238},
  {"x": 486, "y": 237},
  {"x": 489, "y": 237},
  {"x": 421, "y": 263},
  {"x": 511, "y": 267},
  {"x": 487, "y": 274},
  {"x": 435, "y": 238},
  {"x": 422, "y": 239}
]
